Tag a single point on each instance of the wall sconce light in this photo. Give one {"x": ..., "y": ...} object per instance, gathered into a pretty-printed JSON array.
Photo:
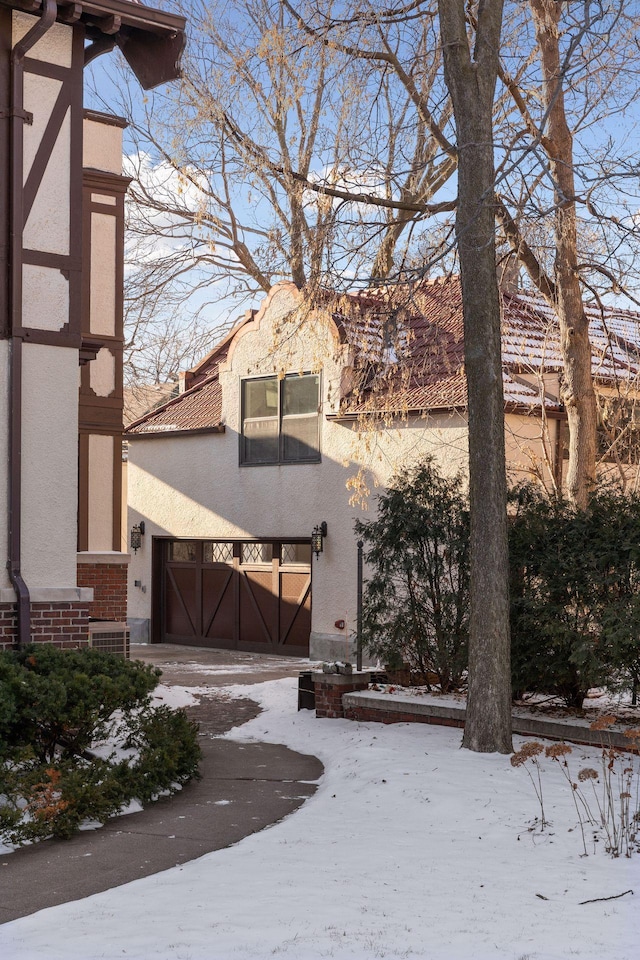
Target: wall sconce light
[
  {"x": 137, "y": 533},
  {"x": 317, "y": 538}
]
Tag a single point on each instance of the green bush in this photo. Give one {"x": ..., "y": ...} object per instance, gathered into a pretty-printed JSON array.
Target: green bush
[
  {"x": 56, "y": 709},
  {"x": 60, "y": 701},
  {"x": 575, "y": 593},
  {"x": 416, "y": 601}
]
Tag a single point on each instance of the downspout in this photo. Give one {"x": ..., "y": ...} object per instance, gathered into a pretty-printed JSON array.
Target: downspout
[{"x": 16, "y": 229}]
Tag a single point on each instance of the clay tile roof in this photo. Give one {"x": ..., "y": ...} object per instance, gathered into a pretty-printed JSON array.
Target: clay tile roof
[
  {"x": 424, "y": 368},
  {"x": 408, "y": 344},
  {"x": 198, "y": 408}
]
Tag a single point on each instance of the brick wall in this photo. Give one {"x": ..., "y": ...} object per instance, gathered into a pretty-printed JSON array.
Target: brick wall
[
  {"x": 109, "y": 582},
  {"x": 65, "y": 624},
  {"x": 329, "y": 688}
]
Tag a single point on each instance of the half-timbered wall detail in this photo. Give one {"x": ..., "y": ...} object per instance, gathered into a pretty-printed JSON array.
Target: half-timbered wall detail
[
  {"x": 52, "y": 176},
  {"x": 50, "y": 302},
  {"x": 43, "y": 317},
  {"x": 101, "y": 401},
  {"x": 61, "y": 265}
]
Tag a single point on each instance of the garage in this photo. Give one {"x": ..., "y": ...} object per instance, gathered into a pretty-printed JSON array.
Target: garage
[{"x": 252, "y": 595}]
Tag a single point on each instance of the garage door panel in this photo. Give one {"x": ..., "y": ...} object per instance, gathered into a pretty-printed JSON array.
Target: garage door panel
[
  {"x": 258, "y": 608},
  {"x": 218, "y": 603},
  {"x": 181, "y": 601},
  {"x": 295, "y": 608}
]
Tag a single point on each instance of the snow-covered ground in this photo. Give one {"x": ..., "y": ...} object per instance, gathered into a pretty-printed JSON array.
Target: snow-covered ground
[{"x": 411, "y": 848}]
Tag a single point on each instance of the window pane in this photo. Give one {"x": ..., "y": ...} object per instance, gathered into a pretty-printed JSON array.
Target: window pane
[
  {"x": 300, "y": 394},
  {"x": 296, "y": 553},
  {"x": 217, "y": 552},
  {"x": 300, "y": 438},
  {"x": 182, "y": 551},
  {"x": 257, "y": 553},
  {"x": 260, "y": 398},
  {"x": 260, "y": 441}
]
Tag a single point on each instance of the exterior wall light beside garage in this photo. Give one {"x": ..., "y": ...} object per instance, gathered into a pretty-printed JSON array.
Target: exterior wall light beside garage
[
  {"x": 137, "y": 533},
  {"x": 317, "y": 538}
]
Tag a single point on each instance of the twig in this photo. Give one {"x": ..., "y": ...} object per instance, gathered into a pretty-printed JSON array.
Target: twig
[{"x": 600, "y": 899}]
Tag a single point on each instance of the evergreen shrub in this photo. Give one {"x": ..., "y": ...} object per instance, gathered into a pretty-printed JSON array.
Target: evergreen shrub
[
  {"x": 575, "y": 593},
  {"x": 416, "y": 600},
  {"x": 57, "y": 710}
]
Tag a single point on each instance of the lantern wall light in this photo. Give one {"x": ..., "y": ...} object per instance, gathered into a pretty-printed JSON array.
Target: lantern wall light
[
  {"x": 317, "y": 538},
  {"x": 137, "y": 533}
]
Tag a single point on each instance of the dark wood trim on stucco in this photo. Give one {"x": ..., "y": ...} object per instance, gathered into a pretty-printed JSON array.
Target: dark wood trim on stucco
[
  {"x": 52, "y": 338},
  {"x": 50, "y": 136},
  {"x": 117, "y": 493},
  {"x": 102, "y": 181},
  {"x": 76, "y": 219},
  {"x": 57, "y": 261},
  {"x": 103, "y": 416},
  {"x": 98, "y": 14},
  {"x": 83, "y": 492},
  {"x": 110, "y": 119},
  {"x": 43, "y": 68},
  {"x": 5, "y": 104}
]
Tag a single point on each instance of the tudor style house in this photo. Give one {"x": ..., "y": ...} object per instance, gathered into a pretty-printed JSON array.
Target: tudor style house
[
  {"x": 61, "y": 263},
  {"x": 293, "y": 421}
]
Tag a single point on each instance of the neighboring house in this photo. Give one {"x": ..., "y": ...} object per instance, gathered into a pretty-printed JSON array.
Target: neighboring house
[
  {"x": 300, "y": 410},
  {"x": 61, "y": 265}
]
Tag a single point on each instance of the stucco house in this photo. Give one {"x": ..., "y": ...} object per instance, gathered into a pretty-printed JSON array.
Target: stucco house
[
  {"x": 294, "y": 420},
  {"x": 61, "y": 264}
]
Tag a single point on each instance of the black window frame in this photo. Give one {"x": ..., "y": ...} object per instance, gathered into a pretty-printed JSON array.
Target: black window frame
[{"x": 281, "y": 460}]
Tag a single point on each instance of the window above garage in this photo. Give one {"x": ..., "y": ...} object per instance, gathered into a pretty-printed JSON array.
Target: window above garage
[{"x": 281, "y": 419}]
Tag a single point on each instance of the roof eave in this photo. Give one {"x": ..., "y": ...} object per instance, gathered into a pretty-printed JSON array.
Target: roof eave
[
  {"x": 164, "y": 434},
  {"x": 151, "y": 40}
]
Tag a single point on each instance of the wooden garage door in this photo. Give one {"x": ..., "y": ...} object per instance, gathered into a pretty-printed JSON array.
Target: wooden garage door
[{"x": 240, "y": 595}]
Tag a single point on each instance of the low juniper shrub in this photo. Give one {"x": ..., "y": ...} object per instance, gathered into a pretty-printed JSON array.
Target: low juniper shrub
[{"x": 80, "y": 739}]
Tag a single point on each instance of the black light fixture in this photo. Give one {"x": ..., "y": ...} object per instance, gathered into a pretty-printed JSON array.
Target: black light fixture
[
  {"x": 317, "y": 538},
  {"x": 137, "y": 533}
]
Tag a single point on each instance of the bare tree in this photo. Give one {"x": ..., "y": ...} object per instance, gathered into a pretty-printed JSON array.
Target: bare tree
[
  {"x": 283, "y": 155},
  {"x": 471, "y": 70},
  {"x": 571, "y": 87}
]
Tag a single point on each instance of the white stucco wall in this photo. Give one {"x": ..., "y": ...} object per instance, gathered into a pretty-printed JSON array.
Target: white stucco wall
[
  {"x": 47, "y": 226},
  {"x": 103, "y": 270},
  {"x": 193, "y": 486},
  {"x": 102, "y": 146},
  {"x": 49, "y": 462},
  {"x": 53, "y": 47},
  {"x": 49, "y": 465},
  {"x": 100, "y": 492}
]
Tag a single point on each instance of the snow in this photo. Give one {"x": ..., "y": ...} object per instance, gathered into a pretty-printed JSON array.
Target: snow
[{"x": 410, "y": 848}]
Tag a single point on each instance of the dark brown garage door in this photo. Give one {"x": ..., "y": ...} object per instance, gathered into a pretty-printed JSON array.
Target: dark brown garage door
[{"x": 239, "y": 595}]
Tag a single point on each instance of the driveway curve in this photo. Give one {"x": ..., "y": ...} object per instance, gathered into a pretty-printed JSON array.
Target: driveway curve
[{"x": 245, "y": 787}]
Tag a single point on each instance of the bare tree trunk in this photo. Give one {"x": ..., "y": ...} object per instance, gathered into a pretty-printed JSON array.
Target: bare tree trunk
[
  {"x": 471, "y": 81},
  {"x": 578, "y": 393}
]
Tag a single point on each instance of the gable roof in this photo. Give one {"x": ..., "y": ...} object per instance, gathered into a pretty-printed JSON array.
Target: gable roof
[{"x": 408, "y": 348}]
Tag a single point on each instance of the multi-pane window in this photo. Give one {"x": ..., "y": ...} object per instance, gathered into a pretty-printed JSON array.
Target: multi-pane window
[{"x": 280, "y": 419}]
